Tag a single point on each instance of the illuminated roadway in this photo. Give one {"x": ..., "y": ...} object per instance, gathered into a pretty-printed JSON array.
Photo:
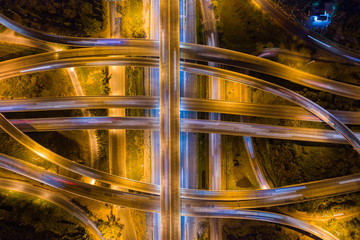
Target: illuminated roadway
[
  {"x": 111, "y": 177},
  {"x": 234, "y": 199},
  {"x": 48, "y": 195},
  {"x": 200, "y": 53},
  {"x": 195, "y": 52},
  {"x": 282, "y": 92},
  {"x": 151, "y": 203},
  {"x": 236, "y": 77},
  {"x": 74, "y": 167},
  {"x": 214, "y": 89},
  {"x": 280, "y": 193},
  {"x": 148, "y": 48},
  {"x": 188, "y": 125},
  {"x": 187, "y": 104},
  {"x": 188, "y": 141}
]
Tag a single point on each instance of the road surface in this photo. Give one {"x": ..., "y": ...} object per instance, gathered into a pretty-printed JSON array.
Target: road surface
[
  {"x": 187, "y": 104},
  {"x": 192, "y": 52},
  {"x": 169, "y": 67},
  {"x": 285, "y": 220}
]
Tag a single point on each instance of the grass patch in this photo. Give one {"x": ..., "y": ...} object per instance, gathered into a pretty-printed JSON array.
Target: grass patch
[
  {"x": 132, "y": 20},
  {"x": 90, "y": 80},
  {"x": 134, "y": 138},
  {"x": 94, "y": 82}
]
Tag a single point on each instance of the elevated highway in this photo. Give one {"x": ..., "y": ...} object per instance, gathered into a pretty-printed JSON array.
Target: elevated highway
[
  {"x": 187, "y": 125},
  {"x": 196, "y": 212},
  {"x": 146, "y": 53},
  {"x": 323, "y": 114}
]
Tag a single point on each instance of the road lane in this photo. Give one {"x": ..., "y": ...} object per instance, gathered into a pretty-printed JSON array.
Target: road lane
[
  {"x": 285, "y": 220},
  {"x": 169, "y": 67},
  {"x": 187, "y": 104},
  {"x": 137, "y": 47},
  {"x": 283, "y": 92}
]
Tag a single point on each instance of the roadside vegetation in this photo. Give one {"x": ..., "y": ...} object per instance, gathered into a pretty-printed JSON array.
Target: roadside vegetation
[
  {"x": 38, "y": 219},
  {"x": 95, "y": 82},
  {"x": 344, "y": 27},
  {"x": 2, "y": 28},
  {"x": 254, "y": 230},
  {"x": 67, "y": 17},
  {"x": 46, "y": 84},
  {"x": 243, "y": 27},
  {"x": 132, "y": 26},
  {"x": 112, "y": 228},
  {"x": 91, "y": 80},
  {"x": 345, "y": 229},
  {"x": 134, "y": 77},
  {"x": 292, "y": 162},
  {"x": 10, "y": 51},
  {"x": 107, "y": 220},
  {"x": 339, "y": 215}
]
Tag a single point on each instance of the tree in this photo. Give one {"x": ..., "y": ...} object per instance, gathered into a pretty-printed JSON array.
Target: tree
[
  {"x": 105, "y": 79},
  {"x": 112, "y": 228}
]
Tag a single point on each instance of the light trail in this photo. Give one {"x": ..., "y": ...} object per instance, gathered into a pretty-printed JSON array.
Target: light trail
[
  {"x": 150, "y": 203},
  {"x": 326, "y": 45},
  {"x": 137, "y": 47},
  {"x": 187, "y": 125},
  {"x": 169, "y": 120},
  {"x": 187, "y": 104},
  {"x": 155, "y": 135},
  {"x": 275, "y": 89},
  {"x": 230, "y": 58},
  {"x": 327, "y": 117},
  {"x": 196, "y": 212}
]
